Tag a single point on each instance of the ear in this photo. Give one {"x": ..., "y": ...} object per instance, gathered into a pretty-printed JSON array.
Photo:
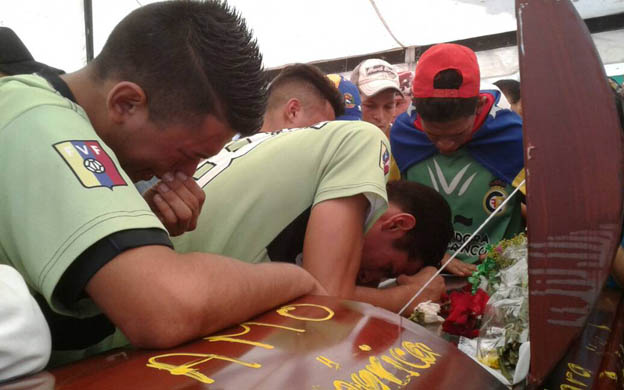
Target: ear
[
  {"x": 481, "y": 103},
  {"x": 291, "y": 109},
  {"x": 399, "y": 222},
  {"x": 124, "y": 100}
]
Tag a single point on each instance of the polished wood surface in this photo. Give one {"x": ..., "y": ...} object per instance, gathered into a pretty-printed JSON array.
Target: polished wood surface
[
  {"x": 573, "y": 160},
  {"x": 594, "y": 361},
  {"x": 313, "y": 343}
]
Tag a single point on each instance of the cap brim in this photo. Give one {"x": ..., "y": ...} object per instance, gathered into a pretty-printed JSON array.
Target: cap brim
[{"x": 374, "y": 87}]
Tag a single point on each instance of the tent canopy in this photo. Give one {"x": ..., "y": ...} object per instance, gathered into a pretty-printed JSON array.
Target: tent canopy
[{"x": 305, "y": 31}]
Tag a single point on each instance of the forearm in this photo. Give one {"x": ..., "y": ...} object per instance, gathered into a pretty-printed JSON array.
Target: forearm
[
  {"x": 333, "y": 243},
  {"x": 160, "y": 299}
]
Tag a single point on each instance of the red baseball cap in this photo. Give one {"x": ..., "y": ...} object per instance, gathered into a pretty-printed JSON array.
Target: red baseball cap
[{"x": 442, "y": 57}]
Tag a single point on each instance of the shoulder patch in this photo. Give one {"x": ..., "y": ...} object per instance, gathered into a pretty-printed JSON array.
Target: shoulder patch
[
  {"x": 90, "y": 163},
  {"x": 384, "y": 158}
]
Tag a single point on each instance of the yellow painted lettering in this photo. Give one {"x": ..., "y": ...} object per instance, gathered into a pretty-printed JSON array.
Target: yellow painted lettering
[
  {"x": 328, "y": 362},
  {"x": 364, "y": 347},
  {"x": 570, "y": 378},
  {"x": 246, "y": 329},
  {"x": 285, "y": 311},
  {"x": 342, "y": 385},
  {"x": 187, "y": 369},
  {"x": 578, "y": 370},
  {"x": 422, "y": 352},
  {"x": 601, "y": 327},
  {"x": 398, "y": 354},
  {"x": 376, "y": 368},
  {"x": 398, "y": 366},
  {"x": 368, "y": 381},
  {"x": 609, "y": 374}
]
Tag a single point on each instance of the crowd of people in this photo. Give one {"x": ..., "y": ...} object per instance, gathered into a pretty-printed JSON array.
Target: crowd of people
[{"x": 176, "y": 185}]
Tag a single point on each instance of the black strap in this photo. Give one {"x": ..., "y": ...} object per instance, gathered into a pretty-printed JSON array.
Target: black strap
[{"x": 58, "y": 84}]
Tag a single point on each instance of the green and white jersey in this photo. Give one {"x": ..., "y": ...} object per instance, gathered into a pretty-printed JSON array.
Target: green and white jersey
[
  {"x": 260, "y": 189},
  {"x": 473, "y": 194},
  {"x": 62, "y": 188}
]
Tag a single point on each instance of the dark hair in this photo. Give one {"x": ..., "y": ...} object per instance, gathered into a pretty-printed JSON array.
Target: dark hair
[
  {"x": 192, "y": 59},
  {"x": 312, "y": 80},
  {"x": 429, "y": 239},
  {"x": 511, "y": 89},
  {"x": 446, "y": 109}
]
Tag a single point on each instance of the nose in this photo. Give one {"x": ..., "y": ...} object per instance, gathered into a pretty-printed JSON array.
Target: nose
[{"x": 188, "y": 167}]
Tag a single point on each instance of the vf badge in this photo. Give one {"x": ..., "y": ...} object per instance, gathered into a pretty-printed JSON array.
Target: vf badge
[
  {"x": 384, "y": 158},
  {"x": 90, "y": 163}
]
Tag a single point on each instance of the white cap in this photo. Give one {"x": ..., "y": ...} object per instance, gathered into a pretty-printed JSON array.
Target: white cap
[{"x": 374, "y": 75}]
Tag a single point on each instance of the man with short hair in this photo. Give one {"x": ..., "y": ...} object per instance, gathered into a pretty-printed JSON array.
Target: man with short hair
[
  {"x": 456, "y": 139},
  {"x": 158, "y": 98},
  {"x": 378, "y": 83},
  {"x": 300, "y": 96},
  {"x": 317, "y": 196},
  {"x": 511, "y": 89}
]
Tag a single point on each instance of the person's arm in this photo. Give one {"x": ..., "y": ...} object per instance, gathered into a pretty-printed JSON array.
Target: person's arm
[
  {"x": 458, "y": 267},
  {"x": 333, "y": 243},
  {"x": 394, "y": 298},
  {"x": 25, "y": 341},
  {"x": 160, "y": 299}
]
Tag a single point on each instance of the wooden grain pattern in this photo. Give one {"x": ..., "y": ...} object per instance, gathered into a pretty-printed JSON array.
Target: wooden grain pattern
[{"x": 573, "y": 159}]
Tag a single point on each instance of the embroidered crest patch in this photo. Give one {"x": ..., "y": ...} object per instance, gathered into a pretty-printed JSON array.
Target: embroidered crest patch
[
  {"x": 90, "y": 163},
  {"x": 384, "y": 158}
]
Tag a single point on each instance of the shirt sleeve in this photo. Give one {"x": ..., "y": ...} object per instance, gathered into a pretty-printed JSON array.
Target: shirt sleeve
[
  {"x": 359, "y": 163},
  {"x": 25, "y": 342}
]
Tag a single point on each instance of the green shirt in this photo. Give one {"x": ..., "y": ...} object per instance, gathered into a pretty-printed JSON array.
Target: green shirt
[
  {"x": 473, "y": 194},
  {"x": 62, "y": 188},
  {"x": 259, "y": 189}
]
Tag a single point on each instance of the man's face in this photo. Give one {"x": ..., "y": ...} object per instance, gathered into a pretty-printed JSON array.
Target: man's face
[
  {"x": 151, "y": 149},
  {"x": 379, "y": 109},
  {"x": 381, "y": 260},
  {"x": 449, "y": 136}
]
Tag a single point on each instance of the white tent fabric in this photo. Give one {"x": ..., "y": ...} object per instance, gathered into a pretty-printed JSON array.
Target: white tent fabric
[{"x": 303, "y": 31}]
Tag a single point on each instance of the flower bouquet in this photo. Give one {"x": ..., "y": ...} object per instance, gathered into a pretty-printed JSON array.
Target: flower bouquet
[{"x": 502, "y": 342}]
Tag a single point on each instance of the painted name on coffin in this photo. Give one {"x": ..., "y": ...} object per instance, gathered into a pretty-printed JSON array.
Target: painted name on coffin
[{"x": 372, "y": 376}]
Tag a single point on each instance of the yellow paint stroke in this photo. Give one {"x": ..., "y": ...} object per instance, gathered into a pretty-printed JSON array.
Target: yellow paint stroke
[
  {"x": 364, "y": 347},
  {"x": 422, "y": 352},
  {"x": 578, "y": 370},
  {"x": 376, "y": 368},
  {"x": 609, "y": 374},
  {"x": 246, "y": 329},
  {"x": 591, "y": 347},
  {"x": 186, "y": 368},
  {"x": 328, "y": 362},
  {"x": 570, "y": 378},
  {"x": 284, "y": 311},
  {"x": 602, "y": 327},
  {"x": 377, "y": 377}
]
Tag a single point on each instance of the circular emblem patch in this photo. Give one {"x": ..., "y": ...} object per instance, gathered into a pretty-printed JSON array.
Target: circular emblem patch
[
  {"x": 94, "y": 165},
  {"x": 494, "y": 198}
]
